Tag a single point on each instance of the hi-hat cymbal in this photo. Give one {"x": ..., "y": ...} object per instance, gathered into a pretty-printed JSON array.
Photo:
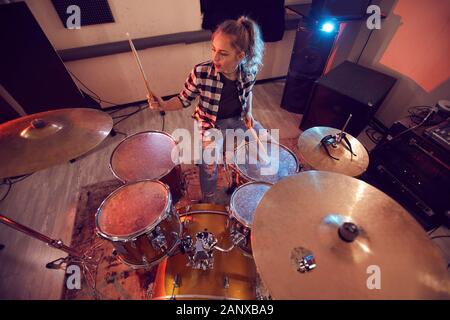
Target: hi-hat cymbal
[
  {"x": 301, "y": 217},
  {"x": 315, "y": 155},
  {"x": 45, "y": 139}
]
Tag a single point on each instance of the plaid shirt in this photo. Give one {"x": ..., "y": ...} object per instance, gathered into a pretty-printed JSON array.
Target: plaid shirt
[{"x": 204, "y": 81}]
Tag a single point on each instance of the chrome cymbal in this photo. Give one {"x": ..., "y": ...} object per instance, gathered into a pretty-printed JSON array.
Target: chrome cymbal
[
  {"x": 45, "y": 139},
  {"x": 314, "y": 154},
  {"x": 357, "y": 242}
]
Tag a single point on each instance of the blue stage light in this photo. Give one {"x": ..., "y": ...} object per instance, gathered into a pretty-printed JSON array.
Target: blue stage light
[{"x": 328, "y": 26}]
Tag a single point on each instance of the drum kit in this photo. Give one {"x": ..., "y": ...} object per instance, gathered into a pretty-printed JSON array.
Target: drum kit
[{"x": 305, "y": 234}]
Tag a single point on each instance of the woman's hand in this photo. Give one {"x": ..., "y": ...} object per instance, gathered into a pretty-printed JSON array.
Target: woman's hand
[
  {"x": 156, "y": 104},
  {"x": 249, "y": 120}
]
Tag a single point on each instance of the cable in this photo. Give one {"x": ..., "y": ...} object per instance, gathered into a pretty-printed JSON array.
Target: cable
[
  {"x": 437, "y": 237},
  {"x": 87, "y": 88},
  {"x": 374, "y": 135},
  {"x": 431, "y": 111},
  {"x": 7, "y": 191},
  {"x": 364, "y": 48},
  {"x": 128, "y": 116},
  {"x": 10, "y": 182}
]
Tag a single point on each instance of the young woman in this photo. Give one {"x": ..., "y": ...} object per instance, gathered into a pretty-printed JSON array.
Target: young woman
[{"x": 224, "y": 87}]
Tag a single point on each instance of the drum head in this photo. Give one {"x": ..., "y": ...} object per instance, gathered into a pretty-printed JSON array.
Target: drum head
[
  {"x": 282, "y": 163},
  {"x": 132, "y": 209},
  {"x": 245, "y": 199},
  {"x": 145, "y": 155}
]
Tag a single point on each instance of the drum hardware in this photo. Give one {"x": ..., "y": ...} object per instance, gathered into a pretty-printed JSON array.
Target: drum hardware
[
  {"x": 228, "y": 275},
  {"x": 303, "y": 260},
  {"x": 85, "y": 259},
  {"x": 343, "y": 153},
  {"x": 348, "y": 231},
  {"x": 226, "y": 282},
  {"x": 334, "y": 140},
  {"x": 200, "y": 252},
  {"x": 176, "y": 284},
  {"x": 239, "y": 238},
  {"x": 158, "y": 239}
]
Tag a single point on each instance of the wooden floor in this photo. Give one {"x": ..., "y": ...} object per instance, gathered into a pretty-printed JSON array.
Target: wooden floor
[{"x": 46, "y": 201}]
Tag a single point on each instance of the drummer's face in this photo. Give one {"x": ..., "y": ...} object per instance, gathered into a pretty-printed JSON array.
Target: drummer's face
[{"x": 224, "y": 56}]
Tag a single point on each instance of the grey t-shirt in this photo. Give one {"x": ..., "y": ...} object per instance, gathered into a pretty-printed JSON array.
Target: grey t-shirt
[{"x": 229, "y": 106}]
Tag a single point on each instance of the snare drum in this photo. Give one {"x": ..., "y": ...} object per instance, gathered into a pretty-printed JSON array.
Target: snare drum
[
  {"x": 233, "y": 275},
  {"x": 248, "y": 167},
  {"x": 243, "y": 203},
  {"x": 148, "y": 156},
  {"x": 140, "y": 221}
]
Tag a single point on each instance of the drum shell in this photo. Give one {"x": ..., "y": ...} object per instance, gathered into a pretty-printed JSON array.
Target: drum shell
[
  {"x": 172, "y": 176},
  {"x": 239, "y": 269},
  {"x": 136, "y": 249},
  {"x": 138, "y": 252},
  {"x": 246, "y": 246},
  {"x": 241, "y": 178}
]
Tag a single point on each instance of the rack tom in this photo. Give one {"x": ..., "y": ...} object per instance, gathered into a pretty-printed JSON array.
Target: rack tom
[
  {"x": 140, "y": 221},
  {"x": 243, "y": 204},
  {"x": 150, "y": 155},
  {"x": 248, "y": 167}
]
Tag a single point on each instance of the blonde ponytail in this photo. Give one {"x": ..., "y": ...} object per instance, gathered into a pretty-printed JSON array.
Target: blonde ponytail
[{"x": 246, "y": 38}]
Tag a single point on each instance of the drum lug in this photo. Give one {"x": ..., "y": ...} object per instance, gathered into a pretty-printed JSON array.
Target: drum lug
[
  {"x": 239, "y": 238},
  {"x": 158, "y": 239},
  {"x": 133, "y": 243},
  {"x": 176, "y": 284},
  {"x": 226, "y": 282}
]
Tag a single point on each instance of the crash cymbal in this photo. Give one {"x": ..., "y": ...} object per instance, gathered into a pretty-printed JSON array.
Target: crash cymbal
[
  {"x": 45, "y": 139},
  {"x": 314, "y": 154},
  {"x": 301, "y": 217}
]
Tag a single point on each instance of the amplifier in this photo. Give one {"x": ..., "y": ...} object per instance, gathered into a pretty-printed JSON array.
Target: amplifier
[{"x": 414, "y": 170}]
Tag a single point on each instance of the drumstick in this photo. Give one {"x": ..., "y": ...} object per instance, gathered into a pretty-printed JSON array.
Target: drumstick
[
  {"x": 265, "y": 156},
  {"x": 144, "y": 76}
]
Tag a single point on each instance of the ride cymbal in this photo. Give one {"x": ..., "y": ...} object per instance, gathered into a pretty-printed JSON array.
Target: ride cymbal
[{"x": 323, "y": 235}]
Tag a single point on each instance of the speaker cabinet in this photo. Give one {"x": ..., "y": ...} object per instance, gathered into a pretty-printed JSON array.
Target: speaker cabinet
[
  {"x": 347, "y": 89},
  {"x": 31, "y": 70},
  {"x": 312, "y": 48},
  {"x": 339, "y": 9},
  {"x": 7, "y": 113}
]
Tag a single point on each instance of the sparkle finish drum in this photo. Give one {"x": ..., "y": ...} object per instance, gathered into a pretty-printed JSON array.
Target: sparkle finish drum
[
  {"x": 249, "y": 167},
  {"x": 243, "y": 204}
]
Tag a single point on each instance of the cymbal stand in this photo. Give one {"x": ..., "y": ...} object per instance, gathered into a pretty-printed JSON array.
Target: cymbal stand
[
  {"x": 86, "y": 260},
  {"x": 334, "y": 140}
]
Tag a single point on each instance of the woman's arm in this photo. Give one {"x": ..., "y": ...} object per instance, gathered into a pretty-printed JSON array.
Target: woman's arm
[{"x": 249, "y": 116}]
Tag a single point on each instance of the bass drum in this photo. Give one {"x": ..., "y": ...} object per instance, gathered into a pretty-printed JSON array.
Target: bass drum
[{"x": 232, "y": 277}]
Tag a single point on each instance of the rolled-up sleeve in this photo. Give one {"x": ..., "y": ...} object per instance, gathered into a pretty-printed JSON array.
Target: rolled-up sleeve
[{"x": 190, "y": 90}]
